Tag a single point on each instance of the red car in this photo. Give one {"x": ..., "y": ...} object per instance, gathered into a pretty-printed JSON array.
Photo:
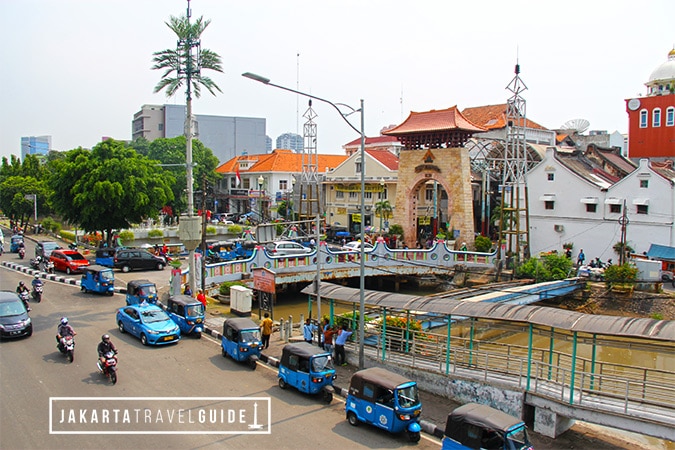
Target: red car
[{"x": 68, "y": 261}]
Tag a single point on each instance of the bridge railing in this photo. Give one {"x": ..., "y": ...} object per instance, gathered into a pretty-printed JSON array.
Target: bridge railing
[{"x": 550, "y": 374}]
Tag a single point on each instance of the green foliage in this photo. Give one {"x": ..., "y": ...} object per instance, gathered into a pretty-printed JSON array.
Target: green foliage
[
  {"x": 68, "y": 236},
  {"x": 396, "y": 229},
  {"x": 13, "y": 201},
  {"x": 656, "y": 316},
  {"x": 483, "y": 244},
  {"x": 127, "y": 237},
  {"x": 279, "y": 228},
  {"x": 440, "y": 236},
  {"x": 568, "y": 245},
  {"x": 402, "y": 322},
  {"x": 621, "y": 248},
  {"x": 350, "y": 319},
  {"x": 108, "y": 188},
  {"x": 548, "y": 268},
  {"x": 210, "y": 229},
  {"x": 56, "y": 228},
  {"x": 234, "y": 229},
  {"x": 625, "y": 273},
  {"x": 224, "y": 288},
  {"x": 48, "y": 224},
  {"x": 155, "y": 233}
]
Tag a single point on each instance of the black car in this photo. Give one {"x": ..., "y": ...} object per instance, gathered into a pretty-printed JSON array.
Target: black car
[
  {"x": 136, "y": 258},
  {"x": 14, "y": 320},
  {"x": 44, "y": 249}
]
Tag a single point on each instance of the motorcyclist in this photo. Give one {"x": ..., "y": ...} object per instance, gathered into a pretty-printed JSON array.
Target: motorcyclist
[
  {"x": 104, "y": 347},
  {"x": 36, "y": 280},
  {"x": 21, "y": 289},
  {"x": 64, "y": 329},
  {"x": 37, "y": 261}
]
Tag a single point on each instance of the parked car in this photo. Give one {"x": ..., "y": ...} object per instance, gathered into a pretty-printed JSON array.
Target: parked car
[
  {"x": 44, "y": 249},
  {"x": 355, "y": 246},
  {"x": 68, "y": 261},
  {"x": 149, "y": 323},
  {"x": 286, "y": 248},
  {"x": 14, "y": 319},
  {"x": 136, "y": 258}
]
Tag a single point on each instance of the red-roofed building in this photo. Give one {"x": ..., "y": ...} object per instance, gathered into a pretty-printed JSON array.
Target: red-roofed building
[{"x": 493, "y": 119}]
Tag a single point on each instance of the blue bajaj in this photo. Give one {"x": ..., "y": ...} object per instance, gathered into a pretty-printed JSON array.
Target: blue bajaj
[
  {"x": 139, "y": 291},
  {"x": 386, "y": 400},
  {"x": 188, "y": 314},
  {"x": 16, "y": 242},
  {"x": 307, "y": 368},
  {"x": 106, "y": 256},
  {"x": 98, "y": 279},
  {"x": 241, "y": 341},
  {"x": 474, "y": 426}
]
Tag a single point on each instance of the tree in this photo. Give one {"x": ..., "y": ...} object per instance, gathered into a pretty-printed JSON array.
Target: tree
[
  {"x": 109, "y": 188},
  {"x": 13, "y": 201},
  {"x": 383, "y": 209},
  {"x": 549, "y": 268}
]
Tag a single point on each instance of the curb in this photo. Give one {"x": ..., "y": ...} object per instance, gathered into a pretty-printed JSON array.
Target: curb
[{"x": 427, "y": 427}]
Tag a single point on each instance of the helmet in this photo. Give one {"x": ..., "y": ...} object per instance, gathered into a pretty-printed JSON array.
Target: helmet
[
  {"x": 105, "y": 337},
  {"x": 64, "y": 321},
  {"x": 20, "y": 283},
  {"x": 37, "y": 276}
]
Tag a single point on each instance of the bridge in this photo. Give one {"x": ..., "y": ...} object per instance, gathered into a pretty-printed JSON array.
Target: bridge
[{"x": 338, "y": 264}]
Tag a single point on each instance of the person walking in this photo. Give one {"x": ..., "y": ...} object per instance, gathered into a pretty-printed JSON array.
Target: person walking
[
  {"x": 328, "y": 338},
  {"x": 340, "y": 358},
  {"x": 201, "y": 297},
  {"x": 308, "y": 330},
  {"x": 266, "y": 330},
  {"x": 581, "y": 258}
]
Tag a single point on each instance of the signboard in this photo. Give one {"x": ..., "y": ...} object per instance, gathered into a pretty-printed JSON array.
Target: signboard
[
  {"x": 264, "y": 280},
  {"x": 356, "y": 218},
  {"x": 424, "y": 220}
]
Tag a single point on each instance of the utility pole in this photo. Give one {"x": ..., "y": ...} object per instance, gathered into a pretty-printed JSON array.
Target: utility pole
[
  {"x": 623, "y": 221},
  {"x": 204, "y": 250}
]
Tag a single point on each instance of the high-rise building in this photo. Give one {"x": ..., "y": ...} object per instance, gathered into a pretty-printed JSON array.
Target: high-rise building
[
  {"x": 291, "y": 141},
  {"x": 226, "y": 136},
  {"x": 35, "y": 145},
  {"x": 268, "y": 144}
]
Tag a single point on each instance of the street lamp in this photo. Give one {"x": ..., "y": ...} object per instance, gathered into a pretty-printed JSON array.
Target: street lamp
[
  {"x": 381, "y": 203},
  {"x": 362, "y": 271},
  {"x": 261, "y": 181},
  {"x": 289, "y": 194}
]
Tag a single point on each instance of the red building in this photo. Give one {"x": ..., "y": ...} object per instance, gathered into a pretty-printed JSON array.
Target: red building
[{"x": 651, "y": 119}]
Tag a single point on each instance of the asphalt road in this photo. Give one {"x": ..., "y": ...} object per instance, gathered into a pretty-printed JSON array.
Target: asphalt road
[{"x": 32, "y": 370}]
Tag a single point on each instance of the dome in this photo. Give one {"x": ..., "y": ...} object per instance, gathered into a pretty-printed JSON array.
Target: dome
[{"x": 665, "y": 72}]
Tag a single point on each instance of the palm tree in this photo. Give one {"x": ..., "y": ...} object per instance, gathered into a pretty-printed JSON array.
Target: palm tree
[{"x": 383, "y": 209}]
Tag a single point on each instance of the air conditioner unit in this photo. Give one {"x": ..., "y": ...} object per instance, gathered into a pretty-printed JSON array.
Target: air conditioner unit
[{"x": 559, "y": 228}]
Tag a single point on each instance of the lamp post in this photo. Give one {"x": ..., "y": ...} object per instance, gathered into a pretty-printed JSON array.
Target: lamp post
[
  {"x": 261, "y": 181},
  {"x": 361, "y": 132},
  {"x": 289, "y": 195},
  {"x": 381, "y": 203}
]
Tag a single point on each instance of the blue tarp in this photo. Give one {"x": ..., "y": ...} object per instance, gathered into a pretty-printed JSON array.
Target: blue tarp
[{"x": 661, "y": 252}]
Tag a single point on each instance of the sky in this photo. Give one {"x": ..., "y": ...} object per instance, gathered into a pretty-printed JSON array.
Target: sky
[{"x": 78, "y": 70}]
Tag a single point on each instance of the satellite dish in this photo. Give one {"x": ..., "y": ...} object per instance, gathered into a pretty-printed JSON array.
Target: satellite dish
[{"x": 576, "y": 125}]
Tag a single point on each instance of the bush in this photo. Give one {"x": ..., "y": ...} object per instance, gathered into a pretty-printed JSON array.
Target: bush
[
  {"x": 483, "y": 244},
  {"x": 155, "y": 233},
  {"x": 127, "y": 237},
  {"x": 210, "y": 229},
  {"x": 234, "y": 229},
  {"x": 68, "y": 236},
  {"x": 548, "y": 268},
  {"x": 625, "y": 273},
  {"x": 396, "y": 229},
  {"x": 224, "y": 288}
]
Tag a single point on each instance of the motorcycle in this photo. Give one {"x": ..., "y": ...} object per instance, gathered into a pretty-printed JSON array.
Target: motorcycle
[
  {"x": 22, "y": 252},
  {"x": 109, "y": 368},
  {"x": 25, "y": 297},
  {"x": 38, "y": 288},
  {"x": 66, "y": 346},
  {"x": 35, "y": 263},
  {"x": 49, "y": 267}
]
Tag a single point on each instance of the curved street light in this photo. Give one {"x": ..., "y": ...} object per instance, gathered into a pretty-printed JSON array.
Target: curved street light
[{"x": 344, "y": 115}]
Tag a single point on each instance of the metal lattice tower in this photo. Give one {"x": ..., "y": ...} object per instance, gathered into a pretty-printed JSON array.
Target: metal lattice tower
[
  {"x": 514, "y": 202},
  {"x": 310, "y": 192}
]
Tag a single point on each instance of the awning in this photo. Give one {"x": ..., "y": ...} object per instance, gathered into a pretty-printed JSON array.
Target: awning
[
  {"x": 547, "y": 198},
  {"x": 613, "y": 201},
  {"x": 590, "y": 200},
  {"x": 661, "y": 252},
  {"x": 641, "y": 201}
]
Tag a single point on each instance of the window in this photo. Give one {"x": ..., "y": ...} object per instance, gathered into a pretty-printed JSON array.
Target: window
[
  {"x": 161, "y": 127},
  {"x": 367, "y": 195},
  {"x": 382, "y": 195},
  {"x": 590, "y": 207},
  {"x": 615, "y": 209},
  {"x": 246, "y": 183},
  {"x": 358, "y": 167},
  {"x": 353, "y": 195},
  {"x": 642, "y": 209},
  {"x": 339, "y": 194},
  {"x": 644, "y": 183},
  {"x": 429, "y": 194},
  {"x": 549, "y": 204},
  {"x": 656, "y": 117},
  {"x": 283, "y": 185},
  {"x": 643, "y": 118},
  {"x": 550, "y": 176},
  {"x": 670, "y": 116}
]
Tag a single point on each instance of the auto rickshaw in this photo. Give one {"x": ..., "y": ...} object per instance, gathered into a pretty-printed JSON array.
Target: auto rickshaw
[
  {"x": 307, "y": 368},
  {"x": 98, "y": 279},
  {"x": 16, "y": 242},
  {"x": 139, "y": 291},
  {"x": 241, "y": 340},
  {"x": 188, "y": 314},
  {"x": 106, "y": 256},
  {"x": 474, "y": 426},
  {"x": 386, "y": 400}
]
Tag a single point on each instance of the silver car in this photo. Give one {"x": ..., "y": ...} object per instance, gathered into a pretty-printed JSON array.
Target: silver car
[{"x": 285, "y": 248}]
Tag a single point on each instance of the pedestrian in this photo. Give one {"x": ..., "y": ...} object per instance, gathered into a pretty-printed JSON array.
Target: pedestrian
[
  {"x": 328, "y": 338},
  {"x": 581, "y": 258},
  {"x": 201, "y": 298},
  {"x": 343, "y": 335},
  {"x": 568, "y": 253},
  {"x": 187, "y": 290},
  {"x": 308, "y": 330},
  {"x": 266, "y": 330}
]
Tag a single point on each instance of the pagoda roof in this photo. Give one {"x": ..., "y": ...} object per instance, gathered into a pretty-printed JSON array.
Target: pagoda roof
[{"x": 450, "y": 119}]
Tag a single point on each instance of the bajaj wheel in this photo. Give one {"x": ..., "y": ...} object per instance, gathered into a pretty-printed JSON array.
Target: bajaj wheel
[
  {"x": 252, "y": 364},
  {"x": 327, "y": 396},
  {"x": 352, "y": 419},
  {"x": 414, "y": 436},
  {"x": 223, "y": 352},
  {"x": 282, "y": 383}
]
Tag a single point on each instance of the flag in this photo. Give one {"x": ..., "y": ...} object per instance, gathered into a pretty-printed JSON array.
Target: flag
[{"x": 238, "y": 181}]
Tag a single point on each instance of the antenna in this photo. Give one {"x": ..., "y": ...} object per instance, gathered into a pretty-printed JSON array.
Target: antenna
[{"x": 576, "y": 125}]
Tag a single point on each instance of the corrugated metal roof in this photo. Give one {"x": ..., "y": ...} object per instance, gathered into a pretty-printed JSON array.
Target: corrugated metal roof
[
  {"x": 663, "y": 330},
  {"x": 661, "y": 252}
]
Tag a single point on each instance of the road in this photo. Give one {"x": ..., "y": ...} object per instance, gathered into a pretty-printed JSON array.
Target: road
[{"x": 32, "y": 371}]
